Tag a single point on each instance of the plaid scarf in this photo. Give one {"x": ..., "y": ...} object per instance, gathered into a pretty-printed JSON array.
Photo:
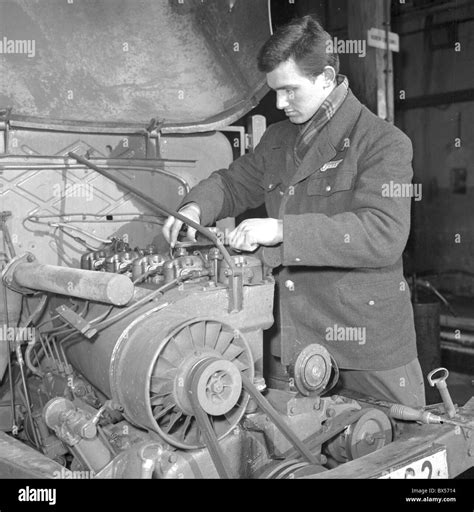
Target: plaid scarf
[{"x": 310, "y": 129}]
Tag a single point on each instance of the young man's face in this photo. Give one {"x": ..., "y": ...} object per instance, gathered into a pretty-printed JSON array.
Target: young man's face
[{"x": 298, "y": 95}]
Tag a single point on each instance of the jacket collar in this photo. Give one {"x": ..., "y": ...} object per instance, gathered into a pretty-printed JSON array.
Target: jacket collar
[{"x": 332, "y": 139}]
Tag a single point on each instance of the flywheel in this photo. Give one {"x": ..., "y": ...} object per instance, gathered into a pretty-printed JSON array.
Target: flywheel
[{"x": 208, "y": 358}]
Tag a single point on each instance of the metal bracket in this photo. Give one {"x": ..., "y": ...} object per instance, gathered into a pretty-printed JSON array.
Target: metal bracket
[
  {"x": 5, "y": 114},
  {"x": 76, "y": 321},
  {"x": 9, "y": 270},
  {"x": 152, "y": 139}
]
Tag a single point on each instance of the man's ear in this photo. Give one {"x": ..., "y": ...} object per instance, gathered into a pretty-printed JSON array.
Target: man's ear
[{"x": 329, "y": 75}]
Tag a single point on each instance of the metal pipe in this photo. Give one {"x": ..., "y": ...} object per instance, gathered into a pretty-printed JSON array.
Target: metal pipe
[
  {"x": 29, "y": 412},
  {"x": 465, "y": 340},
  {"x": 155, "y": 205},
  {"x": 458, "y": 322},
  {"x": 28, "y": 361},
  {"x": 113, "y": 289},
  {"x": 235, "y": 273},
  {"x": 10, "y": 370}
]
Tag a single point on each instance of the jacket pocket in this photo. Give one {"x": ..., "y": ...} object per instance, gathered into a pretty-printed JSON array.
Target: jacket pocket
[
  {"x": 372, "y": 295},
  {"x": 330, "y": 183}
]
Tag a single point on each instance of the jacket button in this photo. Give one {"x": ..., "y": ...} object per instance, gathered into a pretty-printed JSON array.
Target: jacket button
[
  {"x": 270, "y": 186},
  {"x": 371, "y": 302},
  {"x": 297, "y": 260},
  {"x": 328, "y": 188},
  {"x": 290, "y": 285}
]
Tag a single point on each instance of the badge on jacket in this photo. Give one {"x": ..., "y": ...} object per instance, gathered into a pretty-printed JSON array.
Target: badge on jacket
[{"x": 330, "y": 165}]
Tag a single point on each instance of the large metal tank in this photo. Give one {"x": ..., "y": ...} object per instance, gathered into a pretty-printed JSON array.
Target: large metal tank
[{"x": 117, "y": 63}]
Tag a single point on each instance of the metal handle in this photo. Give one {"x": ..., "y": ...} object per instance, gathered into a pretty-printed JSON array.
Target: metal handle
[{"x": 440, "y": 383}]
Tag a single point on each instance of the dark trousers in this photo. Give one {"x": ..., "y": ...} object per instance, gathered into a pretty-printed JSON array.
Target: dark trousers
[{"x": 402, "y": 385}]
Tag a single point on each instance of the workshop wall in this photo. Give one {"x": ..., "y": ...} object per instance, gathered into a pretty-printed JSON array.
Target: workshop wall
[{"x": 434, "y": 86}]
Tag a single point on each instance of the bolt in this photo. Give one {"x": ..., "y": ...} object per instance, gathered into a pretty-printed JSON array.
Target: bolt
[
  {"x": 316, "y": 407},
  {"x": 80, "y": 391},
  {"x": 88, "y": 431},
  {"x": 172, "y": 458},
  {"x": 330, "y": 413},
  {"x": 323, "y": 459},
  {"x": 292, "y": 410},
  {"x": 30, "y": 258},
  {"x": 468, "y": 433},
  {"x": 470, "y": 452},
  {"x": 259, "y": 383},
  {"x": 369, "y": 438}
]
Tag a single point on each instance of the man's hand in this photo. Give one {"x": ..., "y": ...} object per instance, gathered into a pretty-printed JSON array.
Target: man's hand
[
  {"x": 254, "y": 232},
  {"x": 172, "y": 225}
]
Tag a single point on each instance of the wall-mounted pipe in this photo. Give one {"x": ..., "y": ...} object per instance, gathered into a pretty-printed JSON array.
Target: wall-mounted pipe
[{"x": 462, "y": 339}]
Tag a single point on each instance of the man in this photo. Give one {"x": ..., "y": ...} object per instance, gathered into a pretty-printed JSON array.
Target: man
[{"x": 322, "y": 176}]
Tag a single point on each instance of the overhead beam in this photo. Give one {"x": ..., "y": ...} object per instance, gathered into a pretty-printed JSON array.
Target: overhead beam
[{"x": 433, "y": 100}]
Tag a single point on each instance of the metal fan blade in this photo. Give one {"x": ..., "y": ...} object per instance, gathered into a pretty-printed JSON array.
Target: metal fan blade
[
  {"x": 232, "y": 351},
  {"x": 172, "y": 422},
  {"x": 156, "y": 400},
  {"x": 171, "y": 353},
  {"x": 163, "y": 412},
  {"x": 198, "y": 332},
  {"x": 185, "y": 427},
  {"x": 175, "y": 345},
  {"x": 161, "y": 387},
  {"x": 228, "y": 417},
  {"x": 163, "y": 361},
  {"x": 224, "y": 340},
  {"x": 241, "y": 366},
  {"x": 165, "y": 375},
  {"x": 184, "y": 340},
  {"x": 213, "y": 330}
]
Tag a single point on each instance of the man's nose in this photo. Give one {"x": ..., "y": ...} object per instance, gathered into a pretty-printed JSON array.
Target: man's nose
[{"x": 282, "y": 100}]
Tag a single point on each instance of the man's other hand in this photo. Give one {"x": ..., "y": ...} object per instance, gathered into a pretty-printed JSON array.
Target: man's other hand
[
  {"x": 172, "y": 225},
  {"x": 254, "y": 232}
]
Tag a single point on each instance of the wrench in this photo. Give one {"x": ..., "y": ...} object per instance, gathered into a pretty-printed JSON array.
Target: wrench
[{"x": 440, "y": 383}]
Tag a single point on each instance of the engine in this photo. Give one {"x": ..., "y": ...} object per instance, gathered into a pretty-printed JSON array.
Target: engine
[{"x": 149, "y": 365}]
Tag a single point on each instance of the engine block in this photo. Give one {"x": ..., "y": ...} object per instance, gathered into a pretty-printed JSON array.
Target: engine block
[{"x": 167, "y": 381}]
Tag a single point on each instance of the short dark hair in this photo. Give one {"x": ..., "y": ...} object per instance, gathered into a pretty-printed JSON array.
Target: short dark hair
[{"x": 305, "y": 41}]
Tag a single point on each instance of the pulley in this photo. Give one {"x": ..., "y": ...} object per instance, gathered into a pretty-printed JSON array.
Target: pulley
[
  {"x": 312, "y": 370},
  {"x": 210, "y": 357},
  {"x": 372, "y": 431}
]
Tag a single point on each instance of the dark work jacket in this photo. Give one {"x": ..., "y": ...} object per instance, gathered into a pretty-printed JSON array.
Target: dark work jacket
[{"x": 344, "y": 231}]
